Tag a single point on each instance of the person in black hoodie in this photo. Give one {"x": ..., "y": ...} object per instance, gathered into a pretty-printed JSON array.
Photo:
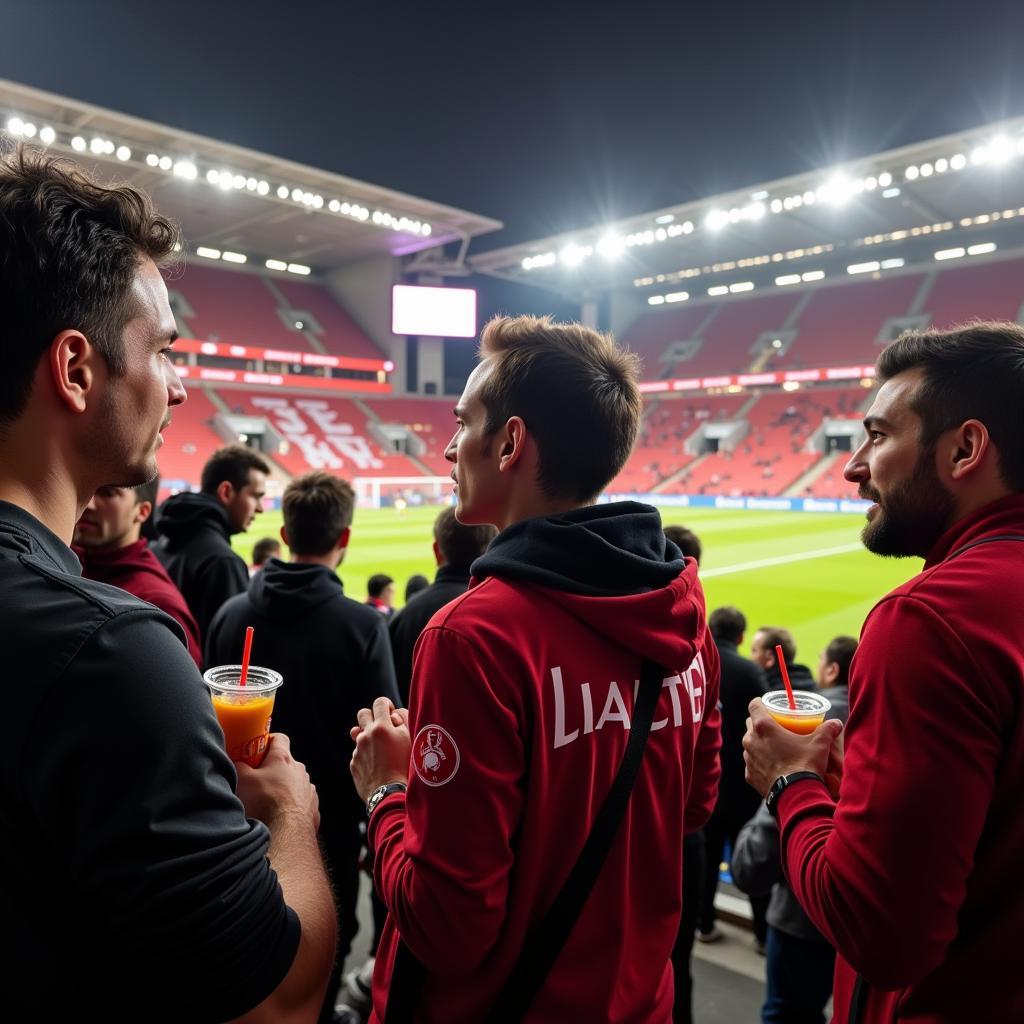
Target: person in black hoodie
[
  {"x": 456, "y": 547},
  {"x": 335, "y": 658},
  {"x": 762, "y": 652},
  {"x": 195, "y": 530}
]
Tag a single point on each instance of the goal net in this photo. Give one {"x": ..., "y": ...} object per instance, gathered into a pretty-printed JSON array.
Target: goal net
[{"x": 402, "y": 491}]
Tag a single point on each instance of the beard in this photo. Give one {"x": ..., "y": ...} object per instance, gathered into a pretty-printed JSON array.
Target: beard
[{"x": 916, "y": 513}]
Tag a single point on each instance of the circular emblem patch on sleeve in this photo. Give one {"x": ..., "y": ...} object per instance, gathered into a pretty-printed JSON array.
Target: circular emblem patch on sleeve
[{"x": 435, "y": 755}]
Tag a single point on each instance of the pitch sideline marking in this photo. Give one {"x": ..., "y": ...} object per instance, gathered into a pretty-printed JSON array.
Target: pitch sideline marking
[{"x": 763, "y": 563}]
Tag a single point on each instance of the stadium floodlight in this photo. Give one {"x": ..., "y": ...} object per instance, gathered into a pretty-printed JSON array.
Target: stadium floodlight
[
  {"x": 941, "y": 165},
  {"x": 97, "y": 145},
  {"x": 15, "y": 125},
  {"x": 884, "y": 179},
  {"x": 656, "y": 300},
  {"x": 979, "y": 155},
  {"x": 318, "y": 201},
  {"x": 896, "y": 261},
  {"x": 250, "y": 183},
  {"x": 718, "y": 289},
  {"x": 755, "y": 211},
  {"x": 166, "y": 163},
  {"x": 152, "y": 160},
  {"x": 950, "y": 254},
  {"x": 864, "y": 268},
  {"x": 688, "y": 227},
  {"x": 298, "y": 268},
  {"x": 123, "y": 153},
  {"x": 212, "y": 176},
  {"x": 870, "y": 183},
  {"x": 716, "y": 220},
  {"x": 28, "y": 129},
  {"x": 262, "y": 187},
  {"x": 981, "y": 248},
  {"x": 927, "y": 170},
  {"x": 660, "y": 235},
  {"x": 426, "y": 229},
  {"x": 838, "y": 189},
  {"x": 334, "y": 206},
  {"x": 282, "y": 191},
  {"x": 812, "y": 275},
  {"x": 958, "y": 161},
  {"x": 47, "y": 135},
  {"x": 677, "y": 296},
  {"x": 741, "y": 286},
  {"x": 787, "y": 279},
  {"x": 665, "y": 218},
  {"x": 297, "y": 195},
  {"x": 912, "y": 173},
  {"x": 891, "y": 193},
  {"x": 276, "y": 265},
  {"x": 776, "y": 206},
  {"x": 186, "y": 169},
  {"x": 611, "y": 245},
  {"x": 574, "y": 254},
  {"x": 791, "y": 385},
  {"x": 1000, "y": 149},
  {"x": 776, "y": 343},
  {"x": 208, "y": 253},
  {"x": 234, "y": 257},
  {"x": 810, "y": 197}
]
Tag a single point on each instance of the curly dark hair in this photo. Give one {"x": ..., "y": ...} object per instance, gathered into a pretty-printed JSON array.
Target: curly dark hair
[{"x": 69, "y": 251}]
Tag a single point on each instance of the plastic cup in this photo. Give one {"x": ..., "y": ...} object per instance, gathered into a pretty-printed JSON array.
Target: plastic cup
[
  {"x": 808, "y": 714},
  {"x": 244, "y": 711}
]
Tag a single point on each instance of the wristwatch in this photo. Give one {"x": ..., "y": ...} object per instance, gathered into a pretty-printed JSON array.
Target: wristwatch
[
  {"x": 382, "y": 791},
  {"x": 779, "y": 785}
]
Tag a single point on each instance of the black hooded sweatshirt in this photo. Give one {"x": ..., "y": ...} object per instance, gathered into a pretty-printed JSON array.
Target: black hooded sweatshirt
[
  {"x": 334, "y": 655},
  {"x": 195, "y": 549}
]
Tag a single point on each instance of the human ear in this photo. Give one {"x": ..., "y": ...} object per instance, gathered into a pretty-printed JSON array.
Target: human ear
[
  {"x": 513, "y": 443},
  {"x": 71, "y": 362},
  {"x": 970, "y": 444}
]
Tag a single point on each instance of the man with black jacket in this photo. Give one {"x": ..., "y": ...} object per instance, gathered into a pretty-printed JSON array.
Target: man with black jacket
[
  {"x": 195, "y": 529},
  {"x": 762, "y": 651},
  {"x": 742, "y": 681},
  {"x": 335, "y": 658},
  {"x": 456, "y": 547}
]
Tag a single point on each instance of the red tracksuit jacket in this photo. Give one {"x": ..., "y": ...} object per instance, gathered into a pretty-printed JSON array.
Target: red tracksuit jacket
[
  {"x": 916, "y": 876},
  {"x": 520, "y": 708}
]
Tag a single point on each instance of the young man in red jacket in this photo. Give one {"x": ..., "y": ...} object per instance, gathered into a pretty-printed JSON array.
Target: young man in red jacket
[
  {"x": 913, "y": 873},
  {"x": 521, "y": 704},
  {"x": 110, "y": 546}
]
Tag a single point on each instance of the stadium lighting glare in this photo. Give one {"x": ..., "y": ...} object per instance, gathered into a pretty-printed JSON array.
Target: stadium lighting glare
[
  {"x": 212, "y": 176},
  {"x": 388, "y": 366},
  {"x": 208, "y": 253},
  {"x": 573, "y": 255},
  {"x": 97, "y": 146},
  {"x": 234, "y": 257},
  {"x": 912, "y": 172},
  {"x": 979, "y": 155},
  {"x": 688, "y": 227},
  {"x": 776, "y": 206},
  {"x": 250, "y": 184},
  {"x": 776, "y": 343},
  {"x": 741, "y": 286},
  {"x": 891, "y": 193},
  {"x": 870, "y": 183},
  {"x": 755, "y": 211},
  {"x": 838, "y": 189},
  {"x": 941, "y": 165},
  {"x": 810, "y": 197},
  {"x": 262, "y": 187},
  {"x": 660, "y": 235},
  {"x": 958, "y": 161},
  {"x": 677, "y": 296},
  {"x": 186, "y": 169},
  {"x": 15, "y": 125},
  {"x": 656, "y": 300},
  {"x": 892, "y": 264},
  {"x": 864, "y": 268},
  {"x": 665, "y": 218},
  {"x": 47, "y": 135},
  {"x": 426, "y": 229},
  {"x": 28, "y": 130},
  {"x": 718, "y": 289},
  {"x": 282, "y": 191},
  {"x": 334, "y": 206},
  {"x": 950, "y": 254},
  {"x": 812, "y": 275},
  {"x": 981, "y": 248},
  {"x": 152, "y": 160},
  {"x": 611, "y": 245},
  {"x": 545, "y": 259},
  {"x": 297, "y": 195},
  {"x": 123, "y": 153},
  {"x": 716, "y": 220},
  {"x": 276, "y": 265},
  {"x": 791, "y": 385},
  {"x": 1000, "y": 149},
  {"x": 927, "y": 170},
  {"x": 166, "y": 163},
  {"x": 298, "y": 268},
  {"x": 884, "y": 179},
  {"x": 787, "y": 279}
]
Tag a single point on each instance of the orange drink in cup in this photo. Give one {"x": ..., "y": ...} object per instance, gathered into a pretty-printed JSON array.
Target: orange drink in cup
[
  {"x": 244, "y": 708},
  {"x": 804, "y": 718}
]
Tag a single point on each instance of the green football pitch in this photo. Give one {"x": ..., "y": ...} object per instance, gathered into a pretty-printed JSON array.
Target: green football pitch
[{"x": 805, "y": 571}]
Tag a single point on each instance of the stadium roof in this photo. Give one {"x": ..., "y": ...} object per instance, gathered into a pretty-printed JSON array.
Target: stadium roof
[
  {"x": 946, "y": 198},
  {"x": 237, "y": 201}
]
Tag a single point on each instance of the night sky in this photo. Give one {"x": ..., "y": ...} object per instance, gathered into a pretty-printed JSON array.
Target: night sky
[{"x": 547, "y": 116}]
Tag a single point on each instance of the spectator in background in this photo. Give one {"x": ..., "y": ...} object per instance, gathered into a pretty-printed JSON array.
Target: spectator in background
[
  {"x": 800, "y": 960},
  {"x": 195, "y": 529},
  {"x": 693, "y": 855},
  {"x": 108, "y": 544},
  {"x": 686, "y": 540},
  {"x": 456, "y": 547},
  {"x": 762, "y": 652},
  {"x": 380, "y": 594},
  {"x": 414, "y": 585},
  {"x": 334, "y": 655},
  {"x": 263, "y": 550},
  {"x": 741, "y": 682}
]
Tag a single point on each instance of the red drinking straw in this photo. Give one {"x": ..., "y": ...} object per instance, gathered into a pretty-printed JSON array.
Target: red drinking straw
[
  {"x": 247, "y": 651},
  {"x": 778, "y": 654}
]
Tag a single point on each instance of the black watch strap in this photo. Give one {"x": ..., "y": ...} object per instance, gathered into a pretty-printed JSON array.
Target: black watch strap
[
  {"x": 781, "y": 783},
  {"x": 381, "y": 792}
]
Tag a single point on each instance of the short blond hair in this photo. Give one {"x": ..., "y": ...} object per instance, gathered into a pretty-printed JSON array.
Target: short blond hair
[{"x": 576, "y": 390}]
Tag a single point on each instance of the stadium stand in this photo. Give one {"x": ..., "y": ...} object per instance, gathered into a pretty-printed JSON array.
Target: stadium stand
[
  {"x": 339, "y": 334},
  {"x": 322, "y": 433},
  {"x": 236, "y": 308},
  {"x": 655, "y": 331},
  {"x": 840, "y": 323},
  {"x": 991, "y": 291},
  {"x": 432, "y": 421},
  {"x": 831, "y": 484},
  {"x": 188, "y": 442}
]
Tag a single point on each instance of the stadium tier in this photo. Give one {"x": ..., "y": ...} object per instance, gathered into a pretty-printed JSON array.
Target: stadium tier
[
  {"x": 336, "y": 330},
  {"x": 321, "y": 433},
  {"x": 431, "y": 421},
  {"x": 991, "y": 291},
  {"x": 654, "y": 332},
  {"x": 188, "y": 442}
]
